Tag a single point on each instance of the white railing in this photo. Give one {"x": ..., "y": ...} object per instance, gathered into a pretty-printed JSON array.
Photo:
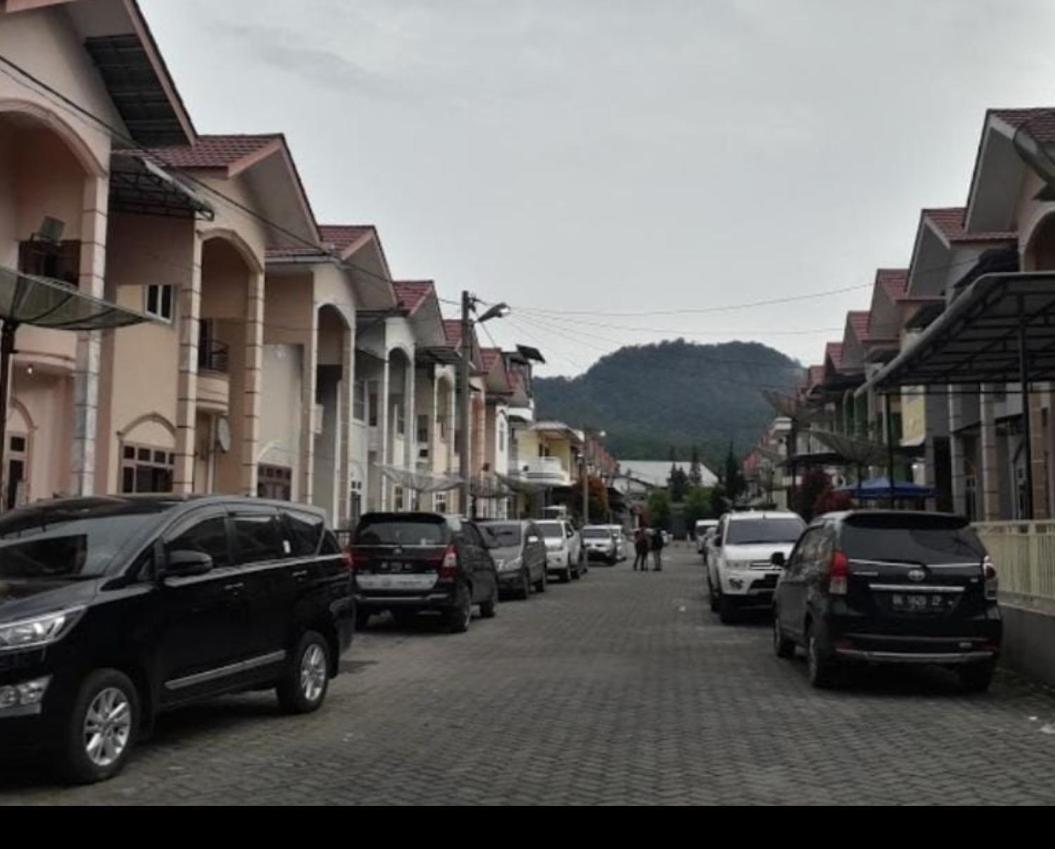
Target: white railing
[
  {"x": 543, "y": 470},
  {"x": 1024, "y": 556}
]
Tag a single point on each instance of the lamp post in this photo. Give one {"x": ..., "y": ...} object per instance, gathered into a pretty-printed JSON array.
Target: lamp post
[
  {"x": 469, "y": 303},
  {"x": 586, "y": 473}
]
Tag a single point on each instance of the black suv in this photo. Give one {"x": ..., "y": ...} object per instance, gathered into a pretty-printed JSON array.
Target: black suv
[
  {"x": 408, "y": 563},
  {"x": 889, "y": 587},
  {"x": 113, "y": 609}
]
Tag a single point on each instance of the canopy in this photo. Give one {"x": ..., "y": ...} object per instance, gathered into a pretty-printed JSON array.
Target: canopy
[
  {"x": 789, "y": 405},
  {"x": 859, "y": 452},
  {"x": 421, "y": 482},
  {"x": 522, "y": 486},
  {"x": 43, "y": 302},
  {"x": 880, "y": 488}
]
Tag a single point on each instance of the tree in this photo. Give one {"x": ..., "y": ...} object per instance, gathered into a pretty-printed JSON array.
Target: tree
[
  {"x": 734, "y": 479},
  {"x": 598, "y": 500},
  {"x": 678, "y": 483},
  {"x": 695, "y": 472},
  {"x": 697, "y": 505},
  {"x": 659, "y": 508}
]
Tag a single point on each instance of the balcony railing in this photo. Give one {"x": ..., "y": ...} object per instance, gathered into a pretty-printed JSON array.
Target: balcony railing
[
  {"x": 213, "y": 356},
  {"x": 1024, "y": 556},
  {"x": 542, "y": 470}
]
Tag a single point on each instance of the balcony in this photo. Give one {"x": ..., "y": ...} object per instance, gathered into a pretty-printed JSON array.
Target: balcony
[
  {"x": 547, "y": 470},
  {"x": 214, "y": 383}
]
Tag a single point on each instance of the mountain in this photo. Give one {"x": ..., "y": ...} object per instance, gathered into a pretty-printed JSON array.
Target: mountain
[{"x": 651, "y": 397}]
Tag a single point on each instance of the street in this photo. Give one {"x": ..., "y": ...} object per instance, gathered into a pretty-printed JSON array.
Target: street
[{"x": 621, "y": 688}]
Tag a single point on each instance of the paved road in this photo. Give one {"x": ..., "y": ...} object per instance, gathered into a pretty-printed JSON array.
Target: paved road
[{"x": 621, "y": 688}]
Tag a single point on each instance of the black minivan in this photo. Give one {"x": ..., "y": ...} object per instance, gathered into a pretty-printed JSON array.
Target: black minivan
[
  {"x": 113, "y": 609},
  {"x": 884, "y": 586},
  {"x": 411, "y": 563}
]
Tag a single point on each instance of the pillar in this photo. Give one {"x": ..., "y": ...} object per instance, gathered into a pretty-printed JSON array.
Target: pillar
[
  {"x": 189, "y": 315},
  {"x": 989, "y": 485},
  {"x": 254, "y": 371}
]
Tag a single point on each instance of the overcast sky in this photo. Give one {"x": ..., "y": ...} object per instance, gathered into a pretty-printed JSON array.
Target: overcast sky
[{"x": 623, "y": 157}]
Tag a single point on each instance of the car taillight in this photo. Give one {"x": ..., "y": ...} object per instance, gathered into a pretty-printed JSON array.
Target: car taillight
[
  {"x": 348, "y": 560},
  {"x": 354, "y": 560},
  {"x": 838, "y": 573},
  {"x": 992, "y": 584},
  {"x": 449, "y": 564}
]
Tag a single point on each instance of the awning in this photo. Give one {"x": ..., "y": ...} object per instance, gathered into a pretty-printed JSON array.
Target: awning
[
  {"x": 523, "y": 486},
  {"x": 879, "y": 488},
  {"x": 137, "y": 185},
  {"x": 421, "y": 482},
  {"x": 43, "y": 302},
  {"x": 981, "y": 336},
  {"x": 859, "y": 452}
]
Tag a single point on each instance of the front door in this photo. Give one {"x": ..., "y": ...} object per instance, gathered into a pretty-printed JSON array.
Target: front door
[{"x": 264, "y": 554}]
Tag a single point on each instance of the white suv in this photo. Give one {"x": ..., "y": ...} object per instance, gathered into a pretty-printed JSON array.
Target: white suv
[
  {"x": 739, "y": 570},
  {"x": 564, "y": 554}
]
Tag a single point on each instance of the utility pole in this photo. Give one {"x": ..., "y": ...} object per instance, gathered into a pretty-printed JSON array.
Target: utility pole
[
  {"x": 464, "y": 402},
  {"x": 585, "y": 482}
]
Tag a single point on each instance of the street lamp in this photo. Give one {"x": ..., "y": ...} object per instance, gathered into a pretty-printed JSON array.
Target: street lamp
[
  {"x": 586, "y": 472},
  {"x": 501, "y": 310}
]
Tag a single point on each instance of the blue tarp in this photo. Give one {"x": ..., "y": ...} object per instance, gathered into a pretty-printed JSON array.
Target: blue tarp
[{"x": 877, "y": 488}]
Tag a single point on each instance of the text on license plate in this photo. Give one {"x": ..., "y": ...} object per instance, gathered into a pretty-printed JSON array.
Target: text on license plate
[{"x": 920, "y": 602}]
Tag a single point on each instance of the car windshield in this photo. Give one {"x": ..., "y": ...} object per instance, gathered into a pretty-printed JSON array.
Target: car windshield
[
  {"x": 597, "y": 533},
  {"x": 921, "y": 539},
  {"x": 761, "y": 531},
  {"x": 403, "y": 531},
  {"x": 502, "y": 536},
  {"x": 551, "y": 530},
  {"x": 39, "y": 544}
]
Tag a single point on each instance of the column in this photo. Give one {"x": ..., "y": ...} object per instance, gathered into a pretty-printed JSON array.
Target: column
[
  {"x": 956, "y": 457},
  {"x": 254, "y": 364},
  {"x": 382, "y": 429},
  {"x": 308, "y": 389},
  {"x": 344, "y": 438},
  {"x": 1041, "y": 507},
  {"x": 91, "y": 281},
  {"x": 989, "y": 485},
  {"x": 189, "y": 315}
]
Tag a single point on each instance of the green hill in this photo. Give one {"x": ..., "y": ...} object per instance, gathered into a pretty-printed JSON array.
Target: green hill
[{"x": 651, "y": 397}]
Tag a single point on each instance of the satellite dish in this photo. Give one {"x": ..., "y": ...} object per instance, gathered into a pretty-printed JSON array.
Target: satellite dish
[{"x": 223, "y": 434}]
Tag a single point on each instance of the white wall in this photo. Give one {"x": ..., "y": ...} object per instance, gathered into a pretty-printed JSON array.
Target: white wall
[{"x": 280, "y": 420}]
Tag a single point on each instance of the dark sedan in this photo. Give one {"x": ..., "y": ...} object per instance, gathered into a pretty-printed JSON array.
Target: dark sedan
[{"x": 519, "y": 554}]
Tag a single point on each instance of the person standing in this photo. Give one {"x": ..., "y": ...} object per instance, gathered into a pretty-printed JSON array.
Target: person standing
[
  {"x": 657, "y": 550},
  {"x": 640, "y": 550}
]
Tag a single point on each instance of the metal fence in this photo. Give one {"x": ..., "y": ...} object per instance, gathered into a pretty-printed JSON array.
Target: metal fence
[{"x": 1024, "y": 556}]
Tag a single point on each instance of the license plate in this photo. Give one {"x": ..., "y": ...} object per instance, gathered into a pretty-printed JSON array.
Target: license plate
[{"x": 918, "y": 602}]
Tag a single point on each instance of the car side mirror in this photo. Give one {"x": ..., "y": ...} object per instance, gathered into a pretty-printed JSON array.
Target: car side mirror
[
  {"x": 184, "y": 564},
  {"x": 778, "y": 559}
]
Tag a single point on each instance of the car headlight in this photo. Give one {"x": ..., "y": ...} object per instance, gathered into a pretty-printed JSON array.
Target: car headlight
[
  {"x": 509, "y": 565},
  {"x": 38, "y": 632},
  {"x": 737, "y": 564}
]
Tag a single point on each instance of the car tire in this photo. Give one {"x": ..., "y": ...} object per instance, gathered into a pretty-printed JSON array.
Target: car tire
[
  {"x": 489, "y": 607},
  {"x": 101, "y": 728},
  {"x": 728, "y": 613},
  {"x": 525, "y": 585},
  {"x": 458, "y": 617},
  {"x": 976, "y": 677},
  {"x": 712, "y": 595},
  {"x": 565, "y": 575},
  {"x": 302, "y": 687},
  {"x": 821, "y": 671},
  {"x": 782, "y": 646}
]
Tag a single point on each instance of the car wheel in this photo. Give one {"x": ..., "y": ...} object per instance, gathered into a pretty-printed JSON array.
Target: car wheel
[
  {"x": 728, "y": 613},
  {"x": 525, "y": 585},
  {"x": 576, "y": 573},
  {"x": 976, "y": 677},
  {"x": 458, "y": 617},
  {"x": 302, "y": 688},
  {"x": 565, "y": 575},
  {"x": 712, "y": 595},
  {"x": 487, "y": 608},
  {"x": 782, "y": 646},
  {"x": 101, "y": 728},
  {"x": 820, "y": 669}
]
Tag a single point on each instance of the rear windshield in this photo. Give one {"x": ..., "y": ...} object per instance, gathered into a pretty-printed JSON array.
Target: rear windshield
[
  {"x": 764, "y": 531},
  {"x": 921, "y": 539},
  {"x": 61, "y": 545},
  {"x": 502, "y": 536},
  {"x": 424, "y": 531},
  {"x": 597, "y": 533},
  {"x": 551, "y": 529}
]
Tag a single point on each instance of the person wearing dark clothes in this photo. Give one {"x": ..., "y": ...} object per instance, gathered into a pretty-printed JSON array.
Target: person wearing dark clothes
[
  {"x": 657, "y": 550},
  {"x": 640, "y": 550}
]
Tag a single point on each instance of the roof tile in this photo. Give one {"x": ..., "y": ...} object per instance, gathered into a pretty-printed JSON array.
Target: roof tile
[
  {"x": 213, "y": 151},
  {"x": 413, "y": 293}
]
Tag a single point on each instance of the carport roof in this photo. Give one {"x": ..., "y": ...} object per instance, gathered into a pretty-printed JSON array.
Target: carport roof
[{"x": 977, "y": 338}]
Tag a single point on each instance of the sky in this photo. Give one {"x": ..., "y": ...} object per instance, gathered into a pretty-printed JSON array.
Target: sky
[{"x": 622, "y": 172}]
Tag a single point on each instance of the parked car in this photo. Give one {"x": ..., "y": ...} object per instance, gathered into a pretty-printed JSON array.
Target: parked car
[
  {"x": 114, "y": 609},
  {"x": 877, "y": 586},
  {"x": 564, "y": 553},
  {"x": 621, "y": 541},
  {"x": 600, "y": 543},
  {"x": 740, "y": 574},
  {"x": 519, "y": 555},
  {"x": 701, "y": 529},
  {"x": 412, "y": 563}
]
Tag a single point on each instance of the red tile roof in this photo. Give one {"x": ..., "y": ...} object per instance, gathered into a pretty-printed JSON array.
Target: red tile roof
[
  {"x": 343, "y": 236},
  {"x": 1040, "y": 121},
  {"x": 949, "y": 222},
  {"x": 834, "y": 351},
  {"x": 453, "y": 328},
  {"x": 491, "y": 357},
  {"x": 816, "y": 376},
  {"x": 213, "y": 151},
  {"x": 413, "y": 293},
  {"x": 894, "y": 281},
  {"x": 858, "y": 320}
]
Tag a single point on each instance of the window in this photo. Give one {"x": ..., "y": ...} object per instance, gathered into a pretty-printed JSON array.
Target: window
[
  {"x": 501, "y": 437},
  {"x": 17, "y": 466},
  {"x": 359, "y": 401},
  {"x": 259, "y": 538},
  {"x": 146, "y": 469},
  {"x": 423, "y": 429},
  {"x": 357, "y": 500},
  {"x": 440, "y": 502},
  {"x": 209, "y": 537},
  {"x": 380, "y": 530},
  {"x": 274, "y": 482},
  {"x": 400, "y": 414},
  {"x": 304, "y": 531},
  {"x": 159, "y": 301},
  {"x": 397, "y": 498},
  {"x": 373, "y": 404},
  {"x": 45, "y": 259}
]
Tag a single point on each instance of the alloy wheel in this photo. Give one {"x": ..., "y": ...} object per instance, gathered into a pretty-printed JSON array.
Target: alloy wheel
[
  {"x": 107, "y": 726},
  {"x": 313, "y": 672}
]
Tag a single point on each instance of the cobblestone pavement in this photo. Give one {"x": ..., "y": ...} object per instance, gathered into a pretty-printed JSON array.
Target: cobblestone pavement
[{"x": 619, "y": 688}]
